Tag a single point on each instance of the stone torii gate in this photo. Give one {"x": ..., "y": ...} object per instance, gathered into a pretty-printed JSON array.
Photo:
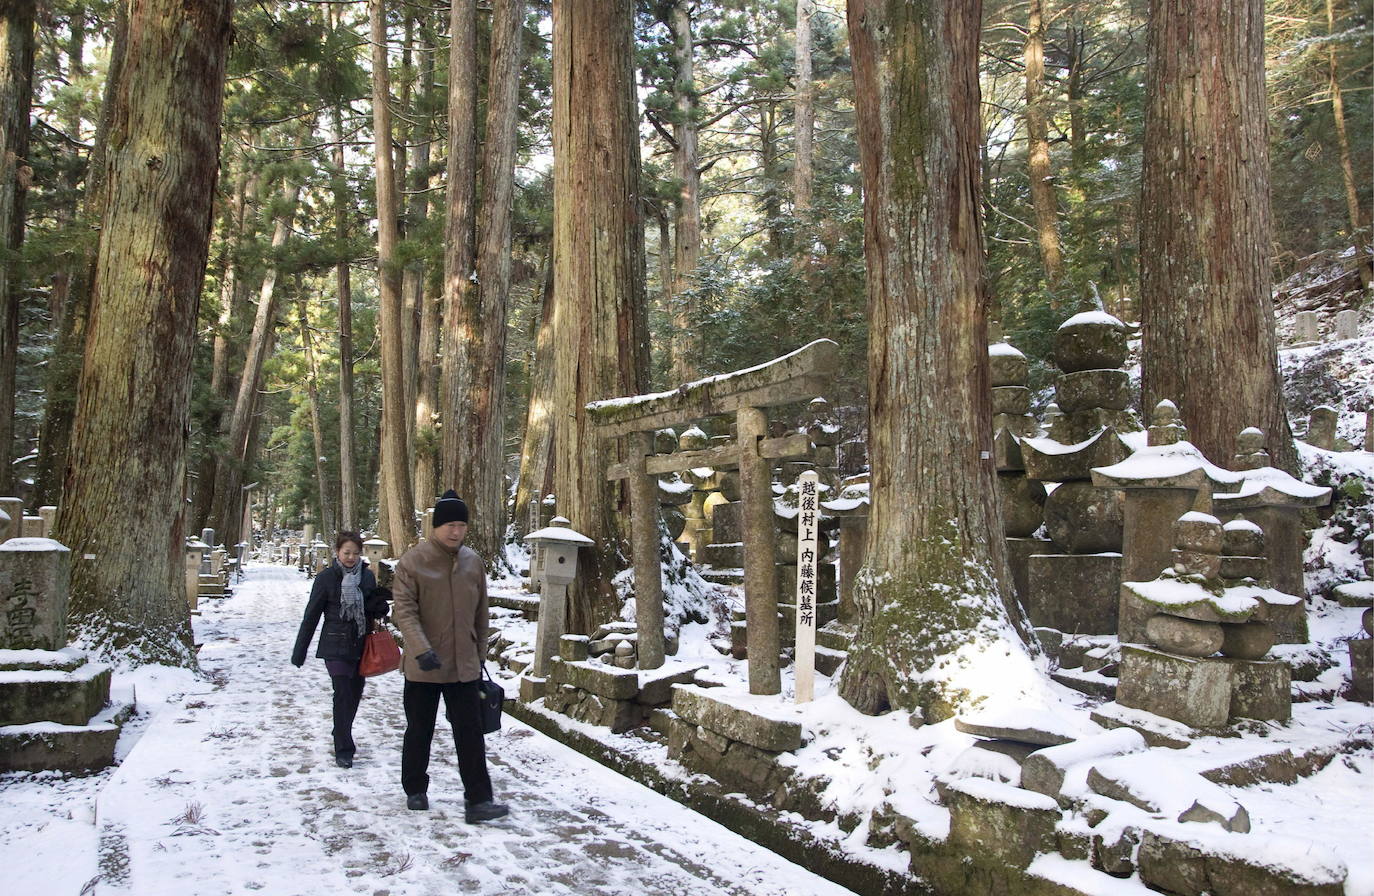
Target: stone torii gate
[{"x": 801, "y": 375}]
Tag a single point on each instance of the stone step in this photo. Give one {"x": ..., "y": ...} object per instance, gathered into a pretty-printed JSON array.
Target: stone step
[
  {"x": 528, "y": 605},
  {"x": 828, "y": 660},
  {"x": 70, "y": 748},
  {"x": 62, "y": 697},
  {"x": 835, "y": 635},
  {"x": 722, "y": 576},
  {"x": 1093, "y": 684}
]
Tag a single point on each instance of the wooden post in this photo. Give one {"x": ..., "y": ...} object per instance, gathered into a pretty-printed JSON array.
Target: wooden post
[
  {"x": 808, "y": 561},
  {"x": 644, "y": 547},
  {"x": 760, "y": 544}
]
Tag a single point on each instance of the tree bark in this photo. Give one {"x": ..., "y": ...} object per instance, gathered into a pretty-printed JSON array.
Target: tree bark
[
  {"x": 327, "y": 521},
  {"x": 804, "y": 116},
  {"x": 399, "y": 507},
  {"x": 231, "y": 296},
  {"x": 414, "y": 286},
  {"x": 1352, "y": 199},
  {"x": 536, "y": 449},
  {"x": 125, "y": 482},
  {"x": 1077, "y": 53},
  {"x": 348, "y": 515},
  {"x": 226, "y": 508},
  {"x": 687, "y": 220},
  {"x": 600, "y": 336},
  {"x": 1038, "y": 154},
  {"x": 482, "y": 456},
  {"x": 931, "y": 593},
  {"x": 460, "y": 232},
  {"x": 16, "y": 97},
  {"x": 1207, "y": 314}
]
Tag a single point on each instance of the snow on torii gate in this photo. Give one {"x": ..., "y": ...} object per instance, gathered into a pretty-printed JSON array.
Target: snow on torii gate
[{"x": 798, "y": 376}]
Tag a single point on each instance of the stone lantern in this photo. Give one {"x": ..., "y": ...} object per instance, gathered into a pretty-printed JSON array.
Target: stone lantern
[
  {"x": 374, "y": 549},
  {"x": 196, "y": 553},
  {"x": 558, "y": 545}
]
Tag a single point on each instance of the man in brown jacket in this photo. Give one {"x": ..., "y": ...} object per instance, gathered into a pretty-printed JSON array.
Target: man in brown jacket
[{"x": 440, "y": 605}]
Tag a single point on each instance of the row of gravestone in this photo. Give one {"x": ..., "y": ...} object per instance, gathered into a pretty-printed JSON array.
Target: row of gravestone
[{"x": 1346, "y": 325}]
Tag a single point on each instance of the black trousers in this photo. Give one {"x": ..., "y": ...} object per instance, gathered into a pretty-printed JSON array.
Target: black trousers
[
  {"x": 348, "y": 693},
  {"x": 421, "y": 700}
]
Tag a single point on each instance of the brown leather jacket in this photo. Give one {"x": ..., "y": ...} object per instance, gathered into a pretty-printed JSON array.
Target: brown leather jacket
[{"x": 440, "y": 604}]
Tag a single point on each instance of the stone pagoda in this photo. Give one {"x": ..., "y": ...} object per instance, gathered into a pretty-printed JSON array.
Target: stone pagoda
[{"x": 1075, "y": 588}]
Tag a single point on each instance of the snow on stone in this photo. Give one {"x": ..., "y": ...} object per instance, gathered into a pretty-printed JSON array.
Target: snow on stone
[
  {"x": 1197, "y": 516},
  {"x": 559, "y": 533},
  {"x": 33, "y": 544},
  {"x": 1232, "y": 601},
  {"x": 993, "y": 791},
  {"x": 1004, "y": 350},
  {"x": 1092, "y": 317}
]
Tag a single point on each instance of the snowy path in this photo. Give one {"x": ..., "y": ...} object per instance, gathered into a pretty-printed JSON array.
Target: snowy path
[{"x": 233, "y": 789}]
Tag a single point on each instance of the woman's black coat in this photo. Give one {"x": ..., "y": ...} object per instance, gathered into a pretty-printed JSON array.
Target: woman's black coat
[{"x": 340, "y": 639}]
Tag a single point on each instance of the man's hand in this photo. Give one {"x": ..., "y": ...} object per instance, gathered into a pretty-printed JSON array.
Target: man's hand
[
  {"x": 428, "y": 661},
  {"x": 298, "y": 662}
]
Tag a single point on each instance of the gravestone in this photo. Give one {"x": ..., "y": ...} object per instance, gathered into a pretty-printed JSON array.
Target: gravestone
[
  {"x": 1348, "y": 324},
  {"x": 33, "y": 594},
  {"x": 1305, "y": 328},
  {"x": 1321, "y": 428},
  {"x": 14, "y": 509}
]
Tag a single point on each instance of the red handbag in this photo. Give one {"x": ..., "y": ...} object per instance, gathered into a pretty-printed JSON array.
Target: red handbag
[{"x": 381, "y": 653}]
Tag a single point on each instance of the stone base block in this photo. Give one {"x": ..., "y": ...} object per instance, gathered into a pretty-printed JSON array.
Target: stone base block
[
  {"x": 1362, "y": 669},
  {"x": 1074, "y": 593},
  {"x": 1019, "y": 551},
  {"x": 737, "y": 723},
  {"x": 1000, "y": 821},
  {"x": 1261, "y": 689},
  {"x": 825, "y": 584},
  {"x": 618, "y": 715},
  {"x": 532, "y": 688},
  {"x": 735, "y": 765},
  {"x": 1289, "y": 622},
  {"x": 595, "y": 678},
  {"x": 1193, "y": 691},
  {"x": 1183, "y": 867},
  {"x": 67, "y": 698},
  {"x": 723, "y": 556},
  {"x": 828, "y": 660}
]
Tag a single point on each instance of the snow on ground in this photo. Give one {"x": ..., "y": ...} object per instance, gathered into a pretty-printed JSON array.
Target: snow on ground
[{"x": 231, "y": 787}]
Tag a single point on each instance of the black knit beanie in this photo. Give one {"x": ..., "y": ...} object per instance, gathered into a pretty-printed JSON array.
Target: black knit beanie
[{"x": 450, "y": 509}]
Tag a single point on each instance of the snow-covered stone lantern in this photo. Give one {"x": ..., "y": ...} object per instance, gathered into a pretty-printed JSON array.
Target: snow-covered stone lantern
[{"x": 558, "y": 545}]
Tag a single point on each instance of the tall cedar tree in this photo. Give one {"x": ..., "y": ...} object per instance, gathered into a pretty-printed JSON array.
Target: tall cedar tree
[
  {"x": 16, "y": 95},
  {"x": 932, "y": 621},
  {"x": 600, "y": 331},
  {"x": 478, "y": 422},
  {"x": 397, "y": 509},
  {"x": 1206, "y": 312},
  {"x": 123, "y": 509}
]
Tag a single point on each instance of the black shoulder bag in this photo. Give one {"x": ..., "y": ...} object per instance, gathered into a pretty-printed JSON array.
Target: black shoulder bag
[{"x": 490, "y": 698}]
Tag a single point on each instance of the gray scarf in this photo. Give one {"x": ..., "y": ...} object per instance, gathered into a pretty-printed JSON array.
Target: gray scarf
[{"x": 351, "y": 597}]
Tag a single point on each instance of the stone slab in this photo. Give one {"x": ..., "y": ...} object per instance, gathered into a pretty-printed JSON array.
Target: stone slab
[
  {"x": 1156, "y": 783},
  {"x": 656, "y": 685},
  {"x": 1196, "y": 692},
  {"x": 596, "y": 678},
  {"x": 1074, "y": 593},
  {"x": 699, "y": 707},
  {"x": 1239, "y": 866},
  {"x": 1044, "y": 770},
  {"x": 1361, "y": 669}
]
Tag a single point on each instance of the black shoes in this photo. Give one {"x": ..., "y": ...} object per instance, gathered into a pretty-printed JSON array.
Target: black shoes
[
  {"x": 487, "y": 811},
  {"x": 417, "y": 801},
  {"x": 343, "y": 760}
]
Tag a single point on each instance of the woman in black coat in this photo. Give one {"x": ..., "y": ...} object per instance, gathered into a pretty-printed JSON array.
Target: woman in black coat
[{"x": 345, "y": 593}]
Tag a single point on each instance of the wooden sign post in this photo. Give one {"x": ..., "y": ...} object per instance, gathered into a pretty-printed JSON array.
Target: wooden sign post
[{"x": 808, "y": 558}]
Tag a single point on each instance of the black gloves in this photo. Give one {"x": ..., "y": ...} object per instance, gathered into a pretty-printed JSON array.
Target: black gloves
[
  {"x": 297, "y": 661},
  {"x": 428, "y": 661}
]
